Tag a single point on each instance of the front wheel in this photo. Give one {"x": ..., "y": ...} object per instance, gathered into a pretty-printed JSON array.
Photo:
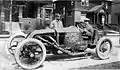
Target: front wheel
[
  {"x": 30, "y": 53},
  {"x": 104, "y": 48}
]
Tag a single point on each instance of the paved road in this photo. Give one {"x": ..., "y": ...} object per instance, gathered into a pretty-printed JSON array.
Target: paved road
[{"x": 57, "y": 62}]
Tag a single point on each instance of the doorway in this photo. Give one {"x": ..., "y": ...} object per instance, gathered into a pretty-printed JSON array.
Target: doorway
[
  {"x": 101, "y": 18},
  {"x": 118, "y": 20}
]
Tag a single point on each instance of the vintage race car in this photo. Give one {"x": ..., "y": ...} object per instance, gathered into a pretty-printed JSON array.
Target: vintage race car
[{"x": 31, "y": 52}]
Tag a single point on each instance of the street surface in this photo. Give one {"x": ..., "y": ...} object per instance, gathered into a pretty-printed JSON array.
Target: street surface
[{"x": 63, "y": 62}]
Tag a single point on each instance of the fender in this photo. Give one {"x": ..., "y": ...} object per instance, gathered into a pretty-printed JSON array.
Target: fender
[{"x": 19, "y": 33}]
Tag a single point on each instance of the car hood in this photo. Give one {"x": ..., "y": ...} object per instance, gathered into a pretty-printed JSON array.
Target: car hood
[
  {"x": 71, "y": 29},
  {"x": 58, "y": 30}
]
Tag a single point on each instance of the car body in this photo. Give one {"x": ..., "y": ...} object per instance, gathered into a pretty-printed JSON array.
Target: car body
[{"x": 68, "y": 40}]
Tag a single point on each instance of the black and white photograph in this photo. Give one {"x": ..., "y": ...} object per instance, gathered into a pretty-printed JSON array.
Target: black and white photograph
[{"x": 59, "y": 34}]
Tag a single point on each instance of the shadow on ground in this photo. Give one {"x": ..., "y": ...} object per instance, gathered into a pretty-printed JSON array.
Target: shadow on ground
[
  {"x": 113, "y": 65},
  {"x": 64, "y": 57},
  {"x": 61, "y": 57}
]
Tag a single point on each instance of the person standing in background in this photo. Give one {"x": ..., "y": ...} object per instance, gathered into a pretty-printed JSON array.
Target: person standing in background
[{"x": 57, "y": 23}]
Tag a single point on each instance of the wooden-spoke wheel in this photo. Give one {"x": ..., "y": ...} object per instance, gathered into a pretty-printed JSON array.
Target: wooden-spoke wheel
[
  {"x": 13, "y": 42},
  {"x": 30, "y": 53},
  {"x": 104, "y": 48}
]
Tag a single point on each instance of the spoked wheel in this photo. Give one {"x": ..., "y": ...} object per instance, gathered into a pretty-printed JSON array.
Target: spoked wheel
[
  {"x": 30, "y": 53},
  {"x": 104, "y": 48},
  {"x": 13, "y": 42}
]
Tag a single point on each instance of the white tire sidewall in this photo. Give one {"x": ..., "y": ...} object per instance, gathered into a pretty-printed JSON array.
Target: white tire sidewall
[
  {"x": 99, "y": 44},
  {"x": 17, "y": 50},
  {"x": 7, "y": 46}
]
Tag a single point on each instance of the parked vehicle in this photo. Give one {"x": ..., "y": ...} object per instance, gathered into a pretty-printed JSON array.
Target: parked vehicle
[{"x": 31, "y": 52}]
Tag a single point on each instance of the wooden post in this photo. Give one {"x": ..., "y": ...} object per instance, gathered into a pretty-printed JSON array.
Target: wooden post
[
  {"x": 2, "y": 14},
  {"x": 2, "y": 19},
  {"x": 94, "y": 19},
  {"x": 38, "y": 19},
  {"x": 10, "y": 26},
  {"x": 43, "y": 15},
  {"x": 38, "y": 14},
  {"x": 20, "y": 13}
]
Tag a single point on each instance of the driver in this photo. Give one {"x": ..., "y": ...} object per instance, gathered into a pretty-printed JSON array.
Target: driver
[{"x": 87, "y": 28}]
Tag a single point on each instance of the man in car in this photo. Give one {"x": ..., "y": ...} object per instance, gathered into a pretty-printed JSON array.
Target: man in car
[
  {"x": 57, "y": 23},
  {"x": 87, "y": 28}
]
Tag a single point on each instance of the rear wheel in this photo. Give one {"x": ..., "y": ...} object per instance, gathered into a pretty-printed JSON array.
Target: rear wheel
[
  {"x": 104, "y": 48},
  {"x": 13, "y": 41},
  {"x": 30, "y": 53}
]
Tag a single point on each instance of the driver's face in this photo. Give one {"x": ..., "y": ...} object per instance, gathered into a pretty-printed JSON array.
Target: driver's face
[{"x": 58, "y": 17}]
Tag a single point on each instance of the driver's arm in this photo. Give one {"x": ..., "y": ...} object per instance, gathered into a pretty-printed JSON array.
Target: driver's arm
[{"x": 82, "y": 30}]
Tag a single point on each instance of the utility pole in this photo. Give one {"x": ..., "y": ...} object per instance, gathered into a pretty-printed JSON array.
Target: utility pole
[{"x": 10, "y": 26}]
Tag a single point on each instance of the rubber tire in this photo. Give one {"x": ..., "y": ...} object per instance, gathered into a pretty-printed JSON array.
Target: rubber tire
[
  {"x": 17, "y": 50},
  {"x": 98, "y": 46},
  {"x": 10, "y": 40}
]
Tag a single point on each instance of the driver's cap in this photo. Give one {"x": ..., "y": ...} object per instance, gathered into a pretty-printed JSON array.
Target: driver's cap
[
  {"x": 82, "y": 20},
  {"x": 85, "y": 19}
]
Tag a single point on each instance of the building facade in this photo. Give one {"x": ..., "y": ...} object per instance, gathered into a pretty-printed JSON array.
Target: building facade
[
  {"x": 38, "y": 13},
  {"x": 30, "y": 15},
  {"x": 98, "y": 11},
  {"x": 116, "y": 13}
]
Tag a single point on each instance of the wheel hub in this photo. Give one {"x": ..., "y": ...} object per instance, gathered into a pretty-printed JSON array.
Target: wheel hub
[
  {"x": 31, "y": 54},
  {"x": 104, "y": 47}
]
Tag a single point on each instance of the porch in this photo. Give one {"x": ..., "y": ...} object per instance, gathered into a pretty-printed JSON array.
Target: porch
[{"x": 20, "y": 14}]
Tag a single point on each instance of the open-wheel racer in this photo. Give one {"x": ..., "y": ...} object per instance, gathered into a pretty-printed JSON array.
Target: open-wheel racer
[{"x": 31, "y": 52}]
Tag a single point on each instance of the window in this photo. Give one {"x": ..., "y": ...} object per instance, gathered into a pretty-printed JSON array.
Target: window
[
  {"x": 85, "y": 2},
  {"x": 69, "y": 13},
  {"x": 118, "y": 19},
  {"x": 83, "y": 13},
  {"x": 48, "y": 13}
]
